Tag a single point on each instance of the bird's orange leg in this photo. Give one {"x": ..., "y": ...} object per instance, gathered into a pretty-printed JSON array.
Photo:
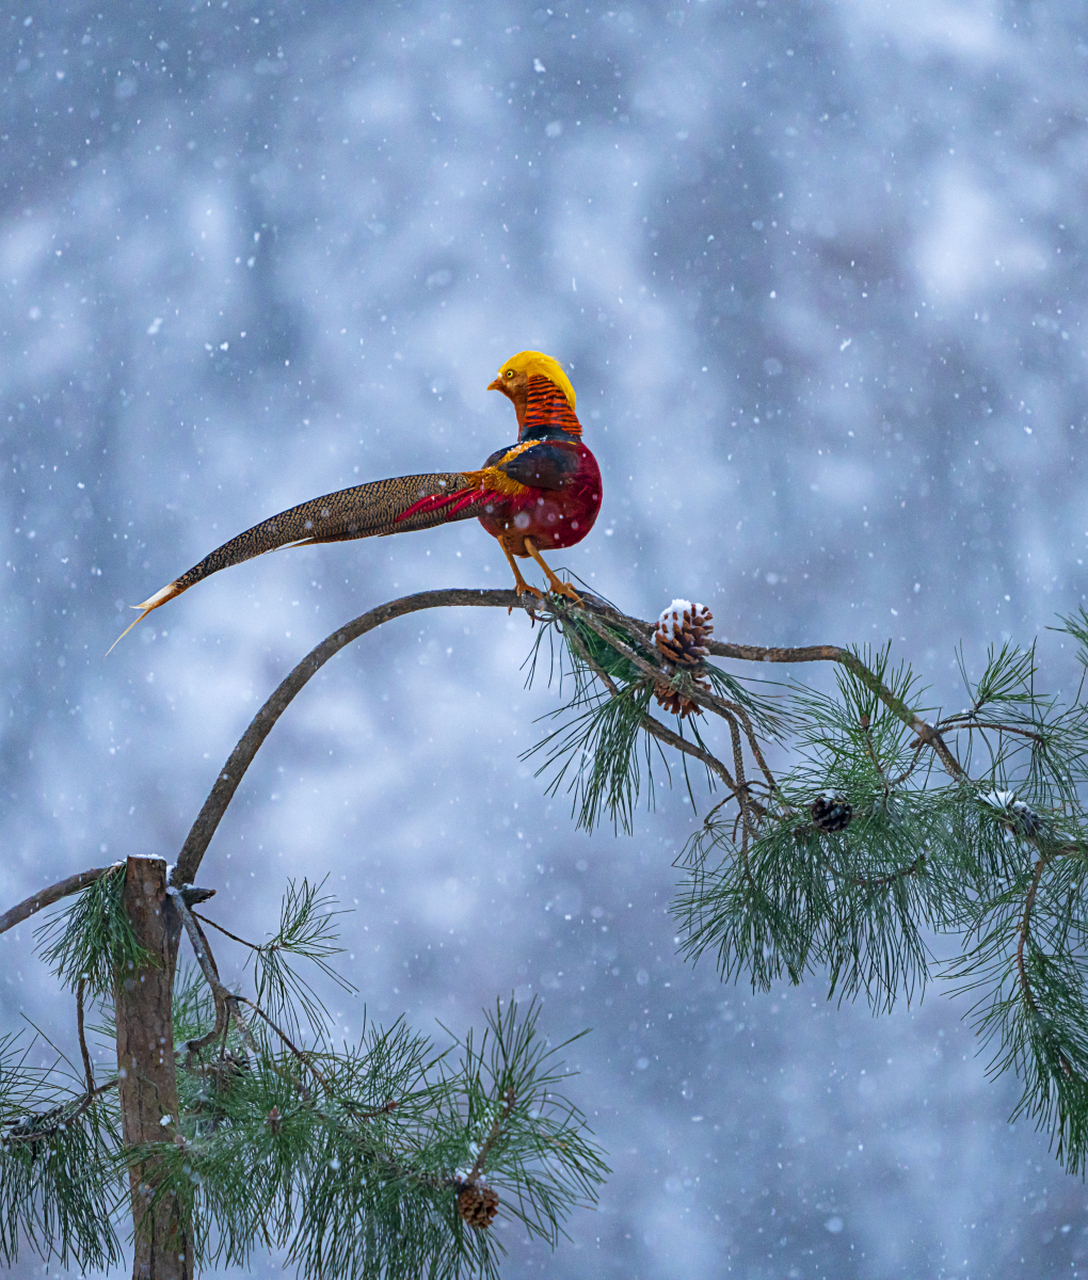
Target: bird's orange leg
[
  {"x": 560, "y": 588},
  {"x": 520, "y": 585}
]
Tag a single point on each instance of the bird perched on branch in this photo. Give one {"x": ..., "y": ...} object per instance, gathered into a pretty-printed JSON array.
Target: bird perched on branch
[{"x": 542, "y": 493}]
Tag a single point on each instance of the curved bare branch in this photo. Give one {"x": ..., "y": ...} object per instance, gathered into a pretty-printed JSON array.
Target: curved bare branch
[
  {"x": 196, "y": 844},
  {"x": 46, "y": 897}
]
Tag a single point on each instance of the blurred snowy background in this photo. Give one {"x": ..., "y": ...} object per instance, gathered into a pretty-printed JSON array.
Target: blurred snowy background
[{"x": 816, "y": 271}]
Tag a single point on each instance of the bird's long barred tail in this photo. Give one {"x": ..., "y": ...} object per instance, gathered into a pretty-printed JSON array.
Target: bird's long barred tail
[{"x": 365, "y": 511}]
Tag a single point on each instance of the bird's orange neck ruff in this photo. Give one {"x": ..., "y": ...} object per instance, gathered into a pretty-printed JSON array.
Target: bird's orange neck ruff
[{"x": 545, "y": 409}]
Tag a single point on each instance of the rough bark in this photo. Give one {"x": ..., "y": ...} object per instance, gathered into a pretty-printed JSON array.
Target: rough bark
[{"x": 145, "y": 1066}]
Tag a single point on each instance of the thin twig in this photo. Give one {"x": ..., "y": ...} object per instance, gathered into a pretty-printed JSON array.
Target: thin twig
[
  {"x": 299, "y": 1054},
  {"x": 870, "y": 751},
  {"x": 853, "y": 664},
  {"x": 655, "y": 727},
  {"x": 916, "y": 747},
  {"x": 253, "y": 946},
  {"x": 743, "y": 798},
  {"x": 956, "y": 724},
  {"x": 753, "y": 742},
  {"x": 883, "y": 882},
  {"x": 88, "y": 1070},
  {"x": 492, "y": 1137},
  {"x": 207, "y": 966},
  {"x": 223, "y": 1008},
  {"x": 31, "y": 1135},
  {"x": 223, "y": 1042},
  {"x": 230, "y": 999},
  {"x": 706, "y": 820},
  {"x": 1025, "y": 925},
  {"x": 1021, "y": 943},
  {"x": 218, "y": 1032},
  {"x": 665, "y": 734},
  {"x": 386, "y": 1109}
]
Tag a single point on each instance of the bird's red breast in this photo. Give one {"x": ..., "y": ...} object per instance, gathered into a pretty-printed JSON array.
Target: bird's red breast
[{"x": 552, "y": 517}]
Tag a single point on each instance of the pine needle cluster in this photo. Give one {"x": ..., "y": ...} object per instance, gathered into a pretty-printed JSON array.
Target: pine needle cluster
[
  {"x": 59, "y": 1189},
  {"x": 92, "y": 939},
  {"x": 353, "y": 1160},
  {"x": 389, "y": 1157},
  {"x": 881, "y": 833}
]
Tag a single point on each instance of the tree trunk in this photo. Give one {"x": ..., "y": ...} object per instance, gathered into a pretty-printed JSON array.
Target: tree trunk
[{"x": 145, "y": 1065}]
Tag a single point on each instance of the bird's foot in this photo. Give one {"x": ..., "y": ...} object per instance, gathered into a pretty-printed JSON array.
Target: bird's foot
[
  {"x": 555, "y": 586},
  {"x": 565, "y": 589}
]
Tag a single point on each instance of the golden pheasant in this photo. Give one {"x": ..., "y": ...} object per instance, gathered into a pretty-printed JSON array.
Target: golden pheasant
[{"x": 541, "y": 493}]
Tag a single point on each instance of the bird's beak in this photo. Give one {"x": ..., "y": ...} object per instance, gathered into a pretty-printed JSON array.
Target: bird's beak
[{"x": 494, "y": 386}]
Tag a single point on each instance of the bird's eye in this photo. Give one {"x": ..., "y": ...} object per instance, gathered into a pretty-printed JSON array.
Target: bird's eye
[{"x": 509, "y": 373}]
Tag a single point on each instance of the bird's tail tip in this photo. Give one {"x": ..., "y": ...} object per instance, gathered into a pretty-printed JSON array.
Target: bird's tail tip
[{"x": 152, "y": 602}]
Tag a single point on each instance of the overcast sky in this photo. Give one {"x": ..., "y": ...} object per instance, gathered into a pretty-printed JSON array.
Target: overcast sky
[{"x": 816, "y": 272}]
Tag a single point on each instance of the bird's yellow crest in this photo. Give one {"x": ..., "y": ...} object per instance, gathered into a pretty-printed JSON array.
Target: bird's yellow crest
[{"x": 530, "y": 362}]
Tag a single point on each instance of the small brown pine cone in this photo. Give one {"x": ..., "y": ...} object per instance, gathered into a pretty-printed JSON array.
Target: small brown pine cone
[
  {"x": 831, "y": 815},
  {"x": 478, "y": 1206},
  {"x": 679, "y": 704},
  {"x": 274, "y": 1121},
  {"x": 682, "y": 631}
]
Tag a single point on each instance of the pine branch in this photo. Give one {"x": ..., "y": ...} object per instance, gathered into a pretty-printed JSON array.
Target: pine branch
[
  {"x": 363, "y": 1179},
  {"x": 88, "y": 1070},
  {"x": 224, "y": 999}
]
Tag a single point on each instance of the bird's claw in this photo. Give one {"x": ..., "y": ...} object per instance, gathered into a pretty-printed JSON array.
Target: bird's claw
[{"x": 523, "y": 588}]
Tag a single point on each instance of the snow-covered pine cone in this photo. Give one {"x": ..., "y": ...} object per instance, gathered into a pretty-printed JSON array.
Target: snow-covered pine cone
[
  {"x": 1016, "y": 815},
  {"x": 1022, "y": 821},
  {"x": 478, "y": 1206},
  {"x": 682, "y": 632},
  {"x": 680, "y": 636}
]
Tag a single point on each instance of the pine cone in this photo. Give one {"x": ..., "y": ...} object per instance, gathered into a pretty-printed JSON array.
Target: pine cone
[
  {"x": 1015, "y": 815},
  {"x": 1026, "y": 822},
  {"x": 678, "y": 703},
  {"x": 274, "y": 1121},
  {"x": 680, "y": 636},
  {"x": 478, "y": 1206},
  {"x": 682, "y": 632},
  {"x": 831, "y": 815}
]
